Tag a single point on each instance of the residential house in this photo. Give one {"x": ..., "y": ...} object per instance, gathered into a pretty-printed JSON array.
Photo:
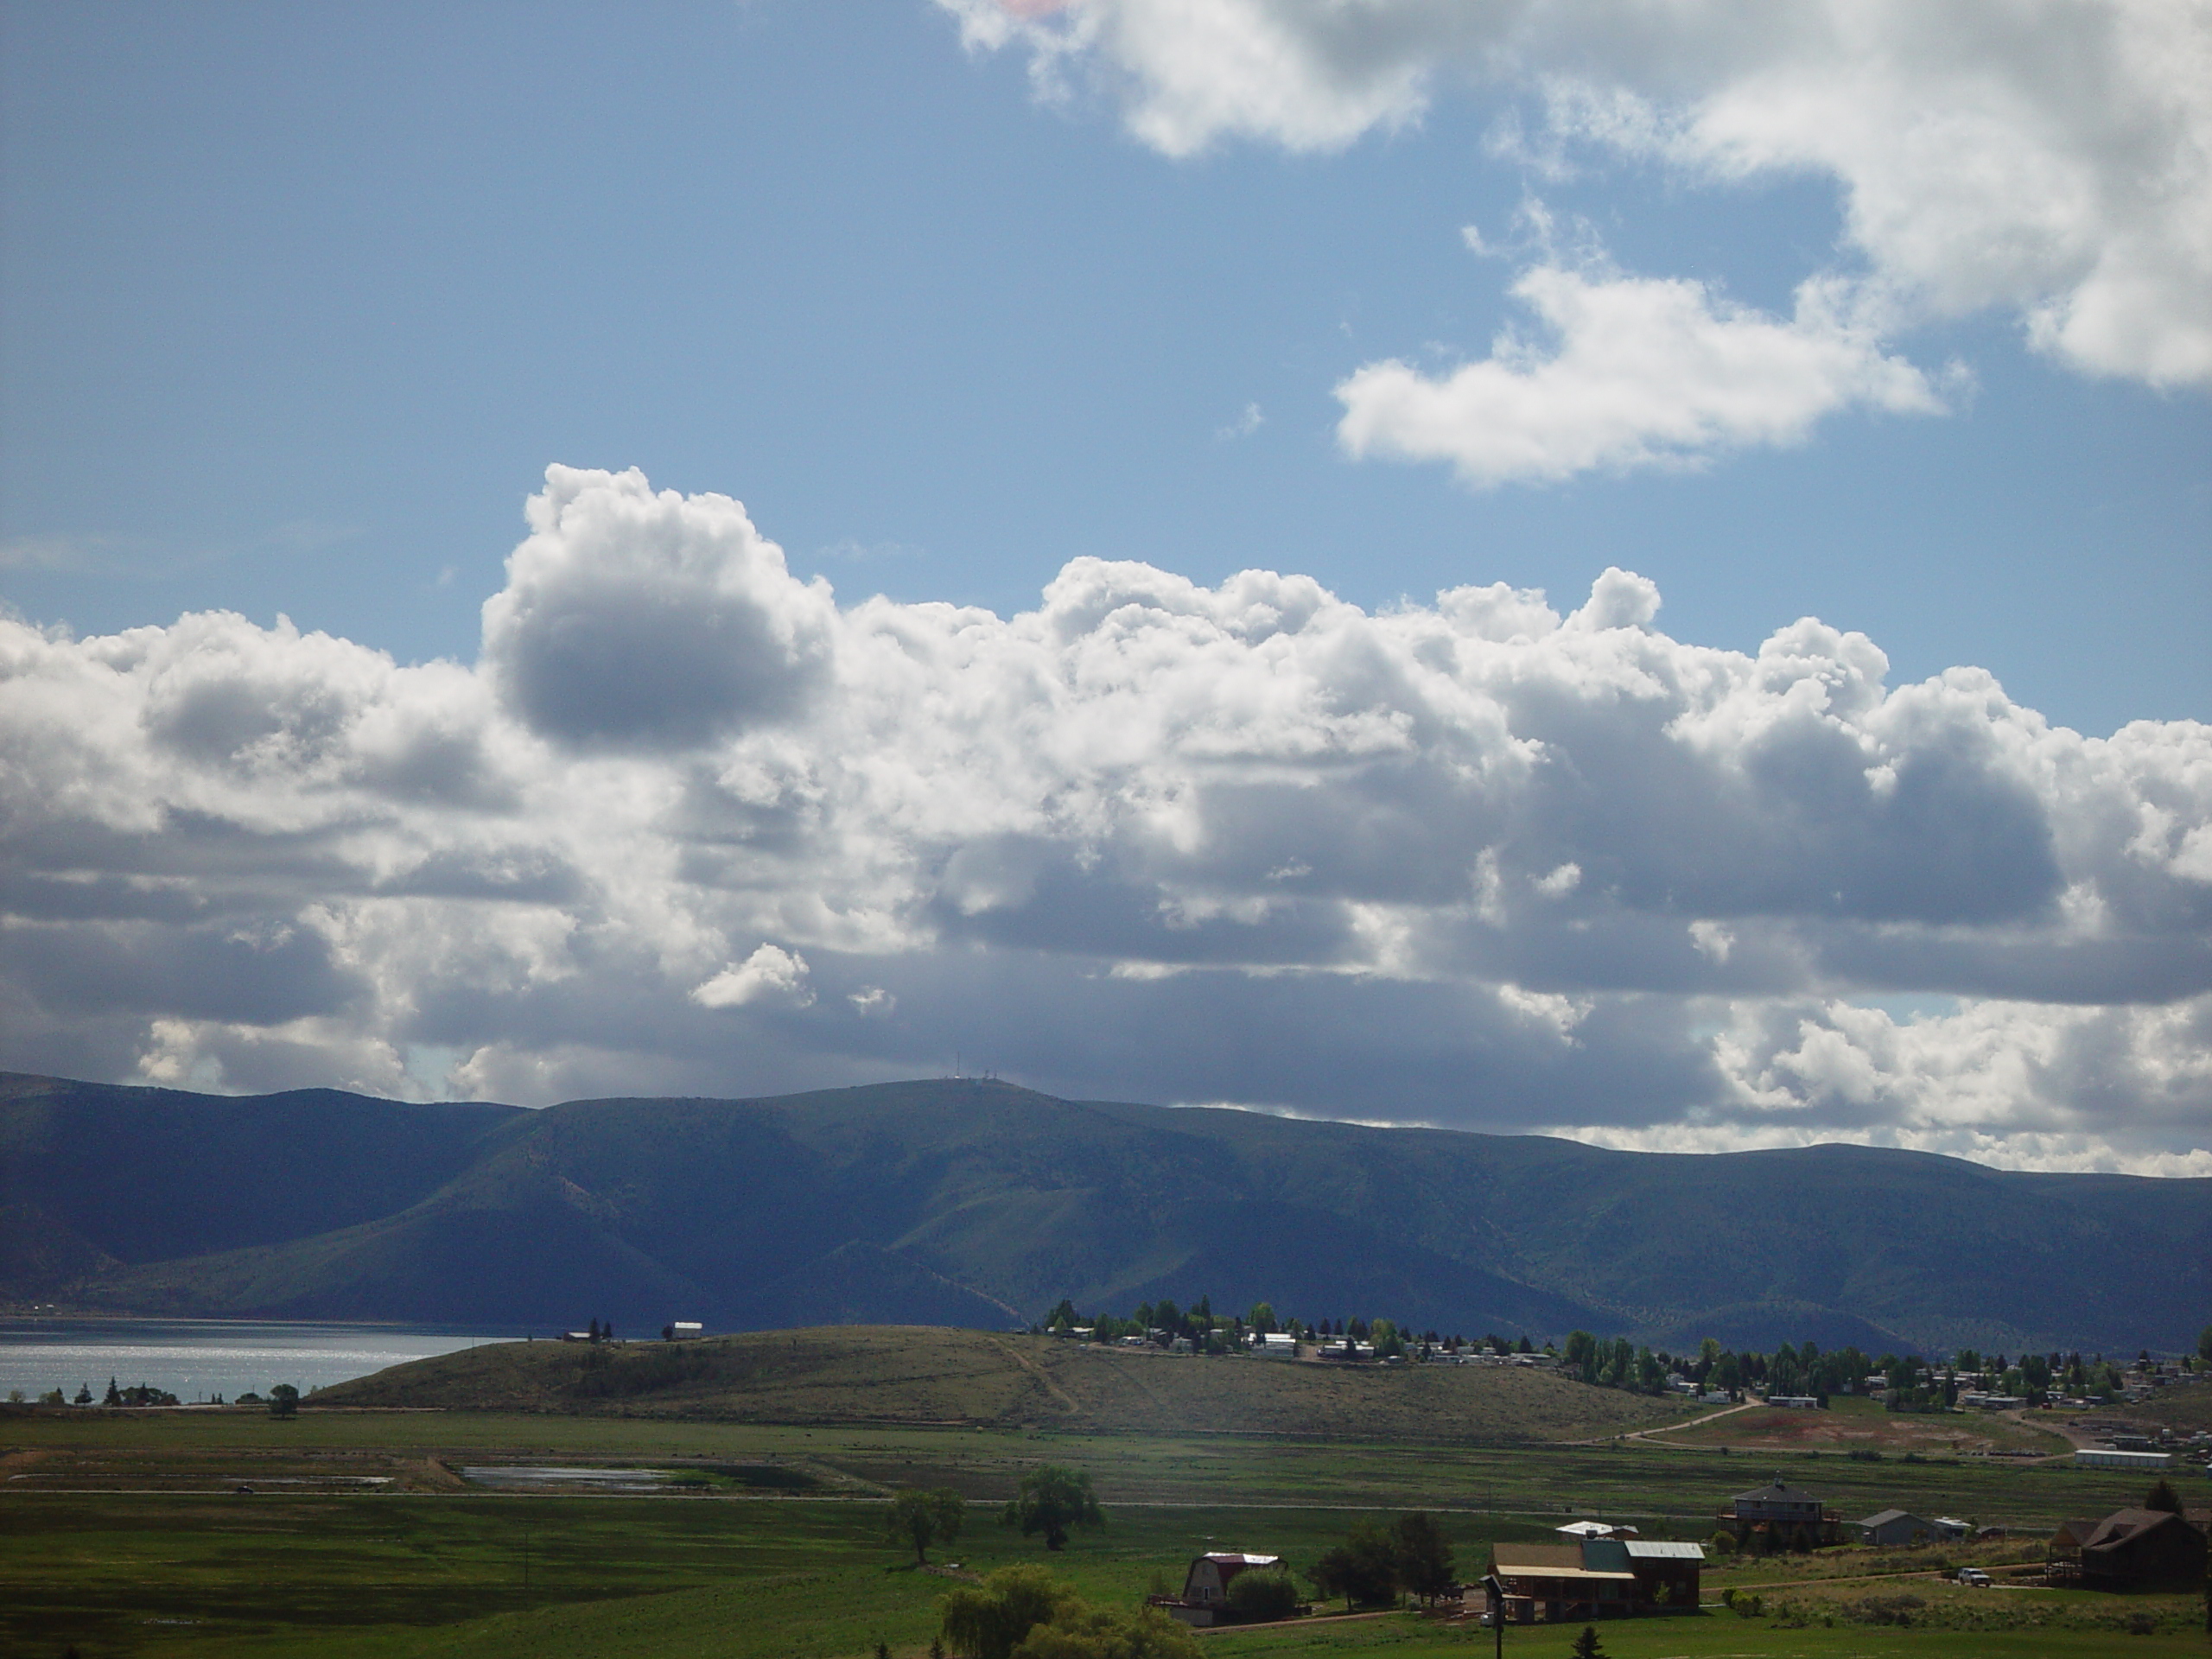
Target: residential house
[
  {"x": 1665, "y": 1574},
  {"x": 1780, "y": 1508},
  {"x": 1549, "y": 1582},
  {"x": 2130, "y": 1549},
  {"x": 1596, "y": 1578}
]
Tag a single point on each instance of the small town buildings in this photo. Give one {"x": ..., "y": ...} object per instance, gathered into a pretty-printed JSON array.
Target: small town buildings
[
  {"x": 2096, "y": 1458},
  {"x": 1892, "y": 1527},
  {"x": 2129, "y": 1549},
  {"x": 1275, "y": 1345},
  {"x": 1204, "y": 1600},
  {"x": 1794, "y": 1402}
]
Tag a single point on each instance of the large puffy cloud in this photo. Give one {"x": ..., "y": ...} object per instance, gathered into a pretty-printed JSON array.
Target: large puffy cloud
[
  {"x": 1479, "y": 861},
  {"x": 2050, "y": 161},
  {"x": 634, "y": 618}
]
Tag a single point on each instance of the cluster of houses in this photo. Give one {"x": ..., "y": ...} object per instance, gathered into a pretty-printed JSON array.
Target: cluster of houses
[{"x": 1599, "y": 1571}]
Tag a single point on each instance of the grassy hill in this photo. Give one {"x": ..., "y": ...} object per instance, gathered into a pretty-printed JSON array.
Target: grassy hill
[
  {"x": 921, "y": 1375},
  {"x": 959, "y": 1202}
]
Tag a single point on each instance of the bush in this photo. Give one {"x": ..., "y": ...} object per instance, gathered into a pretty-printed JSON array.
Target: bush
[{"x": 1258, "y": 1596}]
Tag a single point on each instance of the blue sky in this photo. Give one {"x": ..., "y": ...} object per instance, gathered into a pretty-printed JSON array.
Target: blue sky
[
  {"x": 1892, "y": 322},
  {"x": 300, "y": 303}
]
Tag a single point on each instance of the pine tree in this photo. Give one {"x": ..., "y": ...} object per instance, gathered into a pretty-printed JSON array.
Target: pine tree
[{"x": 1587, "y": 1645}]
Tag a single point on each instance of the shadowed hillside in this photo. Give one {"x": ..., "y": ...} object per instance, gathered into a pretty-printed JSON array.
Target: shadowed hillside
[
  {"x": 913, "y": 1374},
  {"x": 982, "y": 1204}
]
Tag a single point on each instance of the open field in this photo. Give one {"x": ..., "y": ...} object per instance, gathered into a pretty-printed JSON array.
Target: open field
[
  {"x": 208, "y": 1451},
  {"x": 921, "y": 1375},
  {"x": 120, "y": 1532},
  {"x": 375, "y": 1531},
  {"x": 1852, "y": 1423},
  {"x": 211, "y": 1577}
]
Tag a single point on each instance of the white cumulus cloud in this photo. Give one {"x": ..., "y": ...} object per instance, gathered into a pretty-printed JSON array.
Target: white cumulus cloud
[
  {"x": 2052, "y": 163},
  {"x": 1486, "y": 860},
  {"x": 769, "y": 974},
  {"x": 1630, "y": 372}
]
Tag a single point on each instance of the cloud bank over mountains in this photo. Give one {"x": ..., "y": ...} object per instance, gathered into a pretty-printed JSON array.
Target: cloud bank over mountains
[
  {"x": 689, "y": 825},
  {"x": 2050, "y": 162}
]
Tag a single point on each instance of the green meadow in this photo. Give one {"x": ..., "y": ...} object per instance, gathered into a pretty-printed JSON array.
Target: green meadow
[{"x": 124, "y": 1533}]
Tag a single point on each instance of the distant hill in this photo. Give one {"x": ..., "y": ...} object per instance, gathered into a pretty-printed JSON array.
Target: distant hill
[
  {"x": 980, "y": 1203},
  {"x": 920, "y": 1375}
]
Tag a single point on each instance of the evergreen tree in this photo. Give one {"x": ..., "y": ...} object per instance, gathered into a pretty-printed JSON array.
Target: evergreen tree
[
  {"x": 1421, "y": 1555},
  {"x": 1587, "y": 1645}
]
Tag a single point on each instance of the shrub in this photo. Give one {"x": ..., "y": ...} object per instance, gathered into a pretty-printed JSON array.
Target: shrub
[{"x": 1261, "y": 1595}]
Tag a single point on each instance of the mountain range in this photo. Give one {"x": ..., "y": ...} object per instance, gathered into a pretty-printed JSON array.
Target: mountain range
[{"x": 963, "y": 1201}]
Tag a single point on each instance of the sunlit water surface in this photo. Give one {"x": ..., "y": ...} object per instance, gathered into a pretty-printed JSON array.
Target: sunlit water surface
[{"x": 196, "y": 1359}]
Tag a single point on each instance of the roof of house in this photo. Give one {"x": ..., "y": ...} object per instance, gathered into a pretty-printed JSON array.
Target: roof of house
[
  {"x": 1658, "y": 1550},
  {"x": 1586, "y": 1529},
  {"x": 2123, "y": 1526},
  {"x": 1776, "y": 1491},
  {"x": 1882, "y": 1518},
  {"x": 1547, "y": 1562},
  {"x": 1230, "y": 1558},
  {"x": 1537, "y": 1558},
  {"x": 1604, "y": 1556}
]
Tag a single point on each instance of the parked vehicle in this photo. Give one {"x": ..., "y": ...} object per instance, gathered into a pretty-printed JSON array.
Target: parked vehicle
[{"x": 1973, "y": 1575}]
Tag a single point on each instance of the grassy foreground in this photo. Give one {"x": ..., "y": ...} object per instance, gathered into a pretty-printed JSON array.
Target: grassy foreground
[
  {"x": 371, "y": 1531},
  {"x": 213, "y": 1577},
  {"x": 122, "y": 1534}
]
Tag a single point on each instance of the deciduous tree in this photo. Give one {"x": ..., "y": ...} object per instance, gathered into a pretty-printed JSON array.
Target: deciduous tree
[
  {"x": 922, "y": 1517},
  {"x": 1364, "y": 1569},
  {"x": 986, "y": 1621},
  {"x": 1051, "y": 1500}
]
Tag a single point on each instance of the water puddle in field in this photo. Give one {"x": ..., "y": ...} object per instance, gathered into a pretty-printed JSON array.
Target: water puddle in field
[{"x": 523, "y": 1477}]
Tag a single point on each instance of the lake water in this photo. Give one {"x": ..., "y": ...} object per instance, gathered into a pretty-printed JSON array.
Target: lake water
[{"x": 194, "y": 1359}]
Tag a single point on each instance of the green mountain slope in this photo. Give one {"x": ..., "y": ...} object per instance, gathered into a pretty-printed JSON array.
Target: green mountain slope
[{"x": 973, "y": 1203}]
